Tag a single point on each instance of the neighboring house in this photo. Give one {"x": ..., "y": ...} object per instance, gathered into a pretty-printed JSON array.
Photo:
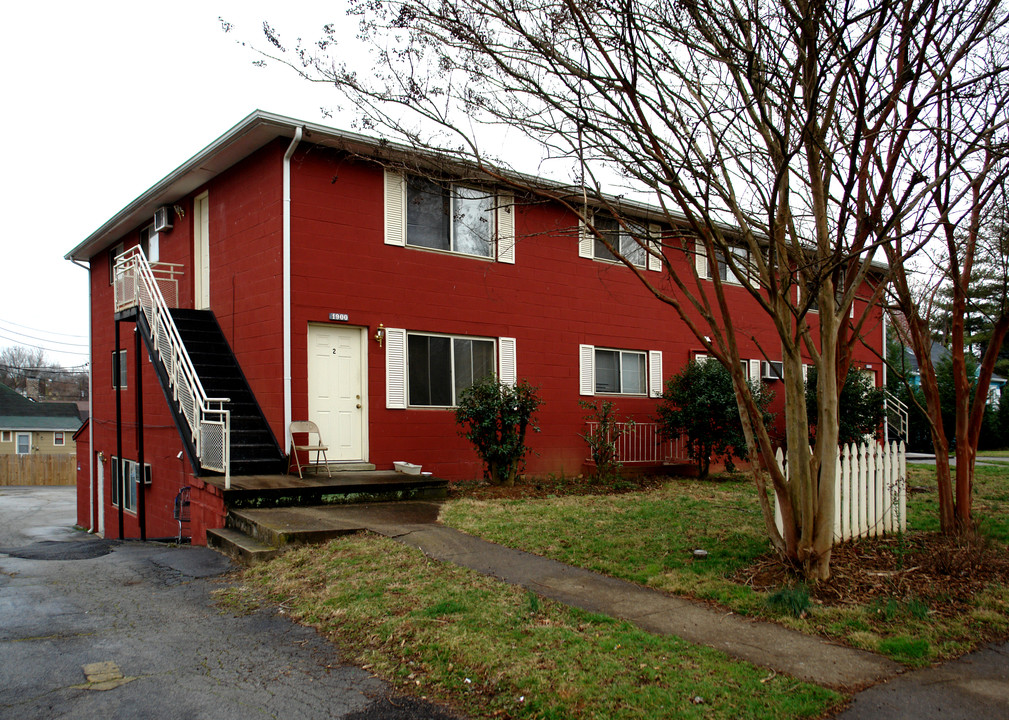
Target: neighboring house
[
  {"x": 31, "y": 428},
  {"x": 336, "y": 289},
  {"x": 939, "y": 355}
]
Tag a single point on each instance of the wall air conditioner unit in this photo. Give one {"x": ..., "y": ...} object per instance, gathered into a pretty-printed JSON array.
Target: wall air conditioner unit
[
  {"x": 163, "y": 218},
  {"x": 773, "y": 370}
]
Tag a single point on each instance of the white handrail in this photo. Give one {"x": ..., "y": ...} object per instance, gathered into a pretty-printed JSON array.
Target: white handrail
[
  {"x": 139, "y": 284},
  {"x": 897, "y": 410},
  {"x": 641, "y": 442}
]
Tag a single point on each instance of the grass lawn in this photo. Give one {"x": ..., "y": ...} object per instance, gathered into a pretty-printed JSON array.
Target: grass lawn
[
  {"x": 649, "y": 537},
  {"x": 494, "y": 650}
]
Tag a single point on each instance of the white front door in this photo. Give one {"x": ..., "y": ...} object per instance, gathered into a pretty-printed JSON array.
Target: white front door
[
  {"x": 336, "y": 382},
  {"x": 201, "y": 252}
]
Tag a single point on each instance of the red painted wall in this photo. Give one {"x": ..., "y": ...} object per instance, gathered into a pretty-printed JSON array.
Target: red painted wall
[{"x": 550, "y": 301}]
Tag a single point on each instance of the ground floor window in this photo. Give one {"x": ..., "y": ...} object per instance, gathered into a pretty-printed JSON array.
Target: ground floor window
[
  {"x": 24, "y": 443},
  {"x": 613, "y": 371},
  {"x": 130, "y": 473},
  {"x": 440, "y": 367}
]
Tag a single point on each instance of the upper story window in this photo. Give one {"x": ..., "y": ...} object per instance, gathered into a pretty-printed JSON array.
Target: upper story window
[
  {"x": 421, "y": 213},
  {"x": 629, "y": 239},
  {"x": 59, "y": 439},
  {"x": 114, "y": 252},
  {"x": 449, "y": 217},
  {"x": 737, "y": 275},
  {"x": 150, "y": 243}
]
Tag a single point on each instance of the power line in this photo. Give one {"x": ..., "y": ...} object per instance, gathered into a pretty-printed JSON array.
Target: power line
[
  {"x": 45, "y": 340},
  {"x": 47, "y": 332},
  {"x": 59, "y": 351}
]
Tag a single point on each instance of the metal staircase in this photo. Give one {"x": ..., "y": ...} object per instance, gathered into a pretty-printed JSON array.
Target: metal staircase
[{"x": 221, "y": 424}]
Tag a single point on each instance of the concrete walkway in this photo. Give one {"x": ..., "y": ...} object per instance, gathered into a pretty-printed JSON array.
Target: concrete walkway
[{"x": 772, "y": 646}]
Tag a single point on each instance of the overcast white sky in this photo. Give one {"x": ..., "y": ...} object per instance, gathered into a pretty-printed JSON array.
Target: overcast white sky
[{"x": 103, "y": 99}]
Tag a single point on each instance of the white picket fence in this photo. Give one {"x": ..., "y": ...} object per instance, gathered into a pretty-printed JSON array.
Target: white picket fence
[{"x": 870, "y": 490}]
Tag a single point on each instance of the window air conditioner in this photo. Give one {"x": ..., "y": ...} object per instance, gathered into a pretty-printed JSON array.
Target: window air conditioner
[
  {"x": 163, "y": 219},
  {"x": 773, "y": 370}
]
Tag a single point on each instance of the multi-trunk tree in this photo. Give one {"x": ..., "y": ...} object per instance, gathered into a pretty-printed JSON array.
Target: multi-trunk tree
[{"x": 781, "y": 142}]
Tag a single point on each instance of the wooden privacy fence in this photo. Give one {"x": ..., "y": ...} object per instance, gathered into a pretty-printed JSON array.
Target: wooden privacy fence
[
  {"x": 640, "y": 442},
  {"x": 35, "y": 469},
  {"x": 870, "y": 490}
]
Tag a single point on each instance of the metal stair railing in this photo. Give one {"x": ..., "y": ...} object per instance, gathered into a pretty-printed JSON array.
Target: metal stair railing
[
  {"x": 895, "y": 413},
  {"x": 144, "y": 285}
]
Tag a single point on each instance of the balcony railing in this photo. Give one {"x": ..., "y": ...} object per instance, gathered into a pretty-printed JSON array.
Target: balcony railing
[
  {"x": 640, "y": 443},
  {"x": 153, "y": 288}
]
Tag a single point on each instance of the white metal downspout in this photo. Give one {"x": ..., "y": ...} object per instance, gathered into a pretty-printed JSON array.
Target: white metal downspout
[
  {"x": 92, "y": 490},
  {"x": 287, "y": 287}
]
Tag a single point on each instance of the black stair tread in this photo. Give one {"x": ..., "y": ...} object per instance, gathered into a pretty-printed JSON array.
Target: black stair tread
[{"x": 253, "y": 445}]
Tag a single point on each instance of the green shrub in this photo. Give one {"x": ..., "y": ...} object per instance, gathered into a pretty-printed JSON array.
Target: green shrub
[
  {"x": 495, "y": 416},
  {"x": 602, "y": 441}
]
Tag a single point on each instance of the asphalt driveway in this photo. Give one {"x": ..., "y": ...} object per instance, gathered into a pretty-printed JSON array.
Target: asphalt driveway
[{"x": 97, "y": 629}]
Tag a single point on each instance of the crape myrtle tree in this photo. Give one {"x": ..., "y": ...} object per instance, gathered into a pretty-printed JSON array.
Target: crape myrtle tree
[
  {"x": 953, "y": 394},
  {"x": 779, "y": 142}
]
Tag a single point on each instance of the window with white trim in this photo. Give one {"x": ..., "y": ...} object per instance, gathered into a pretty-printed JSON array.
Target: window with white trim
[
  {"x": 150, "y": 243},
  {"x": 440, "y": 367},
  {"x": 629, "y": 237},
  {"x": 24, "y": 443},
  {"x": 118, "y": 369},
  {"x": 450, "y": 217},
  {"x": 5, "y": 436},
  {"x": 706, "y": 269},
  {"x": 613, "y": 371},
  {"x": 59, "y": 438},
  {"x": 130, "y": 473},
  {"x": 114, "y": 252}
]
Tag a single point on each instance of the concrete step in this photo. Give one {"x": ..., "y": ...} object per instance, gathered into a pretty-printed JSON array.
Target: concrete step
[
  {"x": 240, "y": 547},
  {"x": 280, "y": 527}
]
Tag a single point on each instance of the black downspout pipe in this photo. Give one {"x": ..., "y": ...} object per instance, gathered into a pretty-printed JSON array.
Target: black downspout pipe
[
  {"x": 141, "y": 468},
  {"x": 117, "y": 365}
]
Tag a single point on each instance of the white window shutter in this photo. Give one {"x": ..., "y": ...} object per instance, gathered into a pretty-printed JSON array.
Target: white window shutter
[
  {"x": 700, "y": 259},
  {"x": 507, "y": 369},
  {"x": 395, "y": 368},
  {"x": 585, "y": 240},
  {"x": 586, "y": 370},
  {"x": 805, "y": 372},
  {"x": 395, "y": 208},
  {"x": 655, "y": 247},
  {"x": 506, "y": 227},
  {"x": 755, "y": 370},
  {"x": 655, "y": 373}
]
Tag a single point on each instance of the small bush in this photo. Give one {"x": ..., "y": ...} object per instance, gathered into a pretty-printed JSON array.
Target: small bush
[
  {"x": 790, "y": 600},
  {"x": 602, "y": 441},
  {"x": 495, "y": 416}
]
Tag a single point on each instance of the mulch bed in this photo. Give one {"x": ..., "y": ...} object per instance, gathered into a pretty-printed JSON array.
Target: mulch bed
[
  {"x": 553, "y": 487},
  {"x": 926, "y": 566}
]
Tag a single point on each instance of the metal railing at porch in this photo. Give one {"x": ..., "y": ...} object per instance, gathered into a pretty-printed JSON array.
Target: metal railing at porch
[
  {"x": 641, "y": 443},
  {"x": 150, "y": 287},
  {"x": 895, "y": 414}
]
